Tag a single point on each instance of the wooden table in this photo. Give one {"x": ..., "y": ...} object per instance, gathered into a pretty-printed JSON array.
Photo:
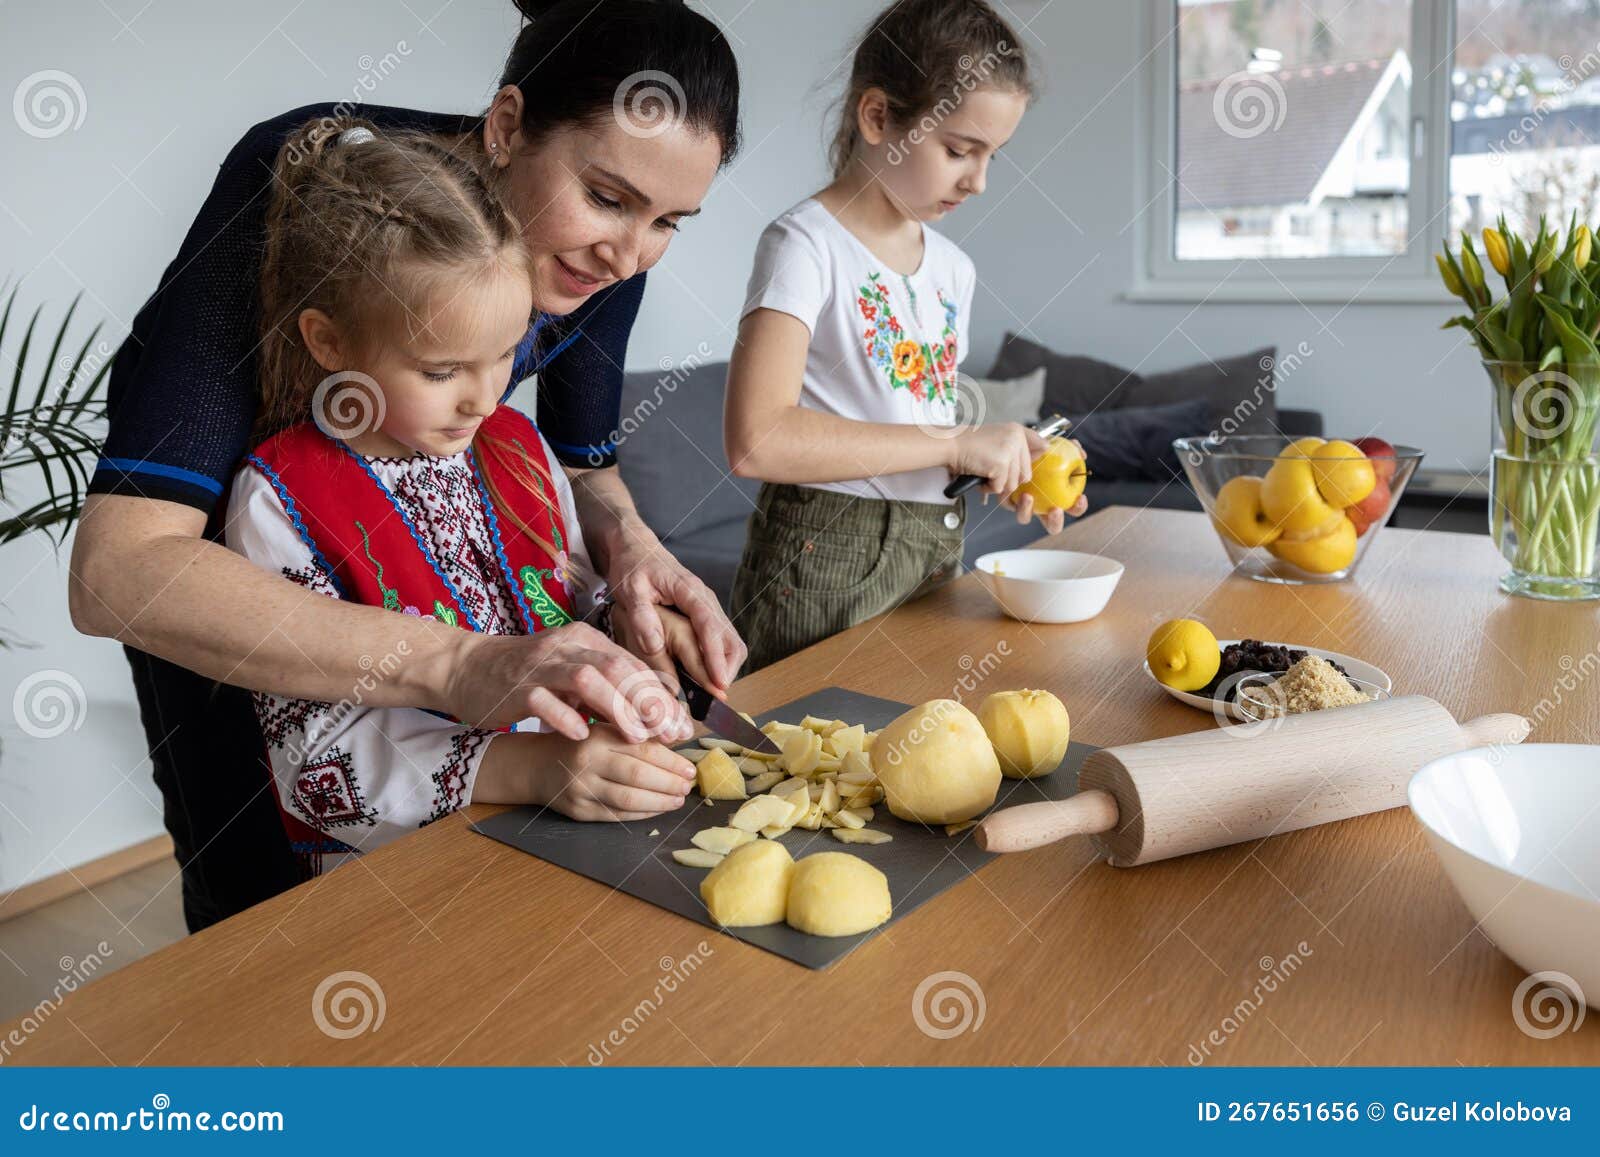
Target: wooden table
[{"x": 485, "y": 955}]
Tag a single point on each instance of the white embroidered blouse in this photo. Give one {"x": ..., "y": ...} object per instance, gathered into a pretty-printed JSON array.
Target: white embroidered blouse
[{"x": 367, "y": 775}]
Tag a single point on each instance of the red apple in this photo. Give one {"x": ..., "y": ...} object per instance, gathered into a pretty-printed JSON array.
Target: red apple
[
  {"x": 1371, "y": 508},
  {"x": 1382, "y": 455}
]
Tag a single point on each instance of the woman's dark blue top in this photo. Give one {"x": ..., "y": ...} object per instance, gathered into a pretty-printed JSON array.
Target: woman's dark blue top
[{"x": 182, "y": 393}]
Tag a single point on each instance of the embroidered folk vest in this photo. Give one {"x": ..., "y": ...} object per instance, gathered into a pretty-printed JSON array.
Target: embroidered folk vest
[{"x": 364, "y": 538}]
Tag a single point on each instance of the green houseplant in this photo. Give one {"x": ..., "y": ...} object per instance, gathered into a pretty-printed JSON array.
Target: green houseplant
[
  {"x": 1537, "y": 340},
  {"x": 53, "y": 422}
]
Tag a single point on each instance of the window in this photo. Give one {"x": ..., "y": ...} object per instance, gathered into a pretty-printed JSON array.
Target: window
[
  {"x": 1524, "y": 113},
  {"x": 1307, "y": 147}
]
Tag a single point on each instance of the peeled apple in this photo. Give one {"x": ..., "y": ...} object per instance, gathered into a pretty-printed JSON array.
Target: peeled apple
[
  {"x": 750, "y": 886},
  {"x": 837, "y": 894},
  {"x": 936, "y": 764},
  {"x": 1028, "y": 729}
]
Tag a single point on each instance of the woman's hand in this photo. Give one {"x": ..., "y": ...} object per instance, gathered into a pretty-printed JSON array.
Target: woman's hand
[
  {"x": 562, "y": 676},
  {"x": 643, "y": 577},
  {"x": 1054, "y": 518},
  {"x": 1001, "y": 454},
  {"x": 605, "y": 777}
]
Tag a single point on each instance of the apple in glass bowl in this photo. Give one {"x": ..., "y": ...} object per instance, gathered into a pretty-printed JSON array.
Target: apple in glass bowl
[{"x": 1296, "y": 510}]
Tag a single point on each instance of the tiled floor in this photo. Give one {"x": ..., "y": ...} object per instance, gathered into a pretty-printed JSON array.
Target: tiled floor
[{"x": 134, "y": 915}]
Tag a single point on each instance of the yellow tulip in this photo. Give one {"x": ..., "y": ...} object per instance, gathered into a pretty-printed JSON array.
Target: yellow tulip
[
  {"x": 1499, "y": 254},
  {"x": 1451, "y": 281},
  {"x": 1472, "y": 272},
  {"x": 1580, "y": 252},
  {"x": 1545, "y": 255}
]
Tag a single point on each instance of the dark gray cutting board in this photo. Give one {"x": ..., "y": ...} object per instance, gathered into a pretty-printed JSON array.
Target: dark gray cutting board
[{"x": 920, "y": 862}]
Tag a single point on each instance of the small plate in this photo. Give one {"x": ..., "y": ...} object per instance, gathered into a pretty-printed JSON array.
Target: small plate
[{"x": 1355, "y": 668}]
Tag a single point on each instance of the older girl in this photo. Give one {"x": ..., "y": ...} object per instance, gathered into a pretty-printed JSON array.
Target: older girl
[{"x": 842, "y": 387}]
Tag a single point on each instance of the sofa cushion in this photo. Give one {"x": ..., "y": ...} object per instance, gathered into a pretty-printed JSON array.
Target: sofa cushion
[
  {"x": 1240, "y": 390},
  {"x": 1073, "y": 384},
  {"x": 1010, "y": 399},
  {"x": 1135, "y": 442},
  {"x": 670, "y": 451}
]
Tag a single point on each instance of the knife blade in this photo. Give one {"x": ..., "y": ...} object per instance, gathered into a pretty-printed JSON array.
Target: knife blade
[{"x": 720, "y": 719}]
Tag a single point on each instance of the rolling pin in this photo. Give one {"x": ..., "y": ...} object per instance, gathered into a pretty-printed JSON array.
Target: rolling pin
[{"x": 1190, "y": 793}]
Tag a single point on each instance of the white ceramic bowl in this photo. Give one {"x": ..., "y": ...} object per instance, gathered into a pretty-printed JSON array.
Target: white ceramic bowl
[
  {"x": 1518, "y": 832},
  {"x": 1049, "y": 586}
]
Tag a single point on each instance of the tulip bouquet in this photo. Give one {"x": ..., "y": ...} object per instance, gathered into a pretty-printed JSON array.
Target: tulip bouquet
[{"x": 1538, "y": 345}]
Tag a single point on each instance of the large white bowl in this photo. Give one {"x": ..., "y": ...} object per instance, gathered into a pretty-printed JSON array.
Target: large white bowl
[
  {"x": 1049, "y": 586},
  {"x": 1518, "y": 832}
]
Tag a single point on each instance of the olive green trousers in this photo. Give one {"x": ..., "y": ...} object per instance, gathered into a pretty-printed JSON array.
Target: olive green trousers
[{"x": 817, "y": 562}]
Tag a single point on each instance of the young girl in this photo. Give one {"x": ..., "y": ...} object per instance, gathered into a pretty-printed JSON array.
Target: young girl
[
  {"x": 395, "y": 292},
  {"x": 842, "y": 387}
]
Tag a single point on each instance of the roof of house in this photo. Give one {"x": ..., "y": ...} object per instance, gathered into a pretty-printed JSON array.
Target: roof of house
[{"x": 1282, "y": 162}]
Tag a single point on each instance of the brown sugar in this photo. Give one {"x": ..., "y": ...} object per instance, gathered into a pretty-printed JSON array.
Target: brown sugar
[{"x": 1312, "y": 684}]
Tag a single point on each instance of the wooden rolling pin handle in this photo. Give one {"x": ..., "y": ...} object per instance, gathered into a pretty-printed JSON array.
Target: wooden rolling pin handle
[
  {"x": 1491, "y": 730},
  {"x": 1033, "y": 825}
]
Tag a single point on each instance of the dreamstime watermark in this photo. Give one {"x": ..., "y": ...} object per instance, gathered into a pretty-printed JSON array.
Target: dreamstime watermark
[
  {"x": 74, "y": 973},
  {"x": 347, "y": 404},
  {"x": 947, "y": 1004},
  {"x": 973, "y": 75},
  {"x": 1575, "y": 72},
  {"x": 49, "y": 103},
  {"x": 953, "y": 415},
  {"x": 674, "y": 374},
  {"x": 673, "y": 973},
  {"x": 1544, "y": 404},
  {"x": 974, "y": 673},
  {"x": 1249, "y": 103},
  {"x": 649, "y": 103},
  {"x": 1575, "y": 673},
  {"x": 49, "y": 703},
  {"x": 1274, "y": 973},
  {"x": 372, "y": 72},
  {"x": 348, "y": 1004},
  {"x": 1547, "y": 1004},
  {"x": 332, "y": 721}
]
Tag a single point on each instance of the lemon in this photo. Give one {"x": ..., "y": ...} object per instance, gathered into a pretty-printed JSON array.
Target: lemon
[{"x": 1183, "y": 654}]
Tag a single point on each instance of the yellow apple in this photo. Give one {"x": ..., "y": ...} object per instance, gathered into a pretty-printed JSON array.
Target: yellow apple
[
  {"x": 1345, "y": 475},
  {"x": 936, "y": 764},
  {"x": 1059, "y": 477},
  {"x": 1300, "y": 448},
  {"x": 1331, "y": 552},
  {"x": 1292, "y": 502},
  {"x": 1237, "y": 512}
]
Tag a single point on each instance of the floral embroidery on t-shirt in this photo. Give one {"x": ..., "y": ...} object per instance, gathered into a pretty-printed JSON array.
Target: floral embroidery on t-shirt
[{"x": 927, "y": 371}]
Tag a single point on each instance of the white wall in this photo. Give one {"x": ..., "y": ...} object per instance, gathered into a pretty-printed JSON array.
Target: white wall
[{"x": 103, "y": 207}]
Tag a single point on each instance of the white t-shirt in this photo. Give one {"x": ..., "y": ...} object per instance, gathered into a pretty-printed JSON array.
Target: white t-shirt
[{"x": 884, "y": 346}]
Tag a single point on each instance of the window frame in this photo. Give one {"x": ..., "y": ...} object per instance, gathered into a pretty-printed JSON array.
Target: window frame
[{"x": 1407, "y": 276}]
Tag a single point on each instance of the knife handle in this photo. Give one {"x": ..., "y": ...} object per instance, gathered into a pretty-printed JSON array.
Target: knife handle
[
  {"x": 698, "y": 698},
  {"x": 962, "y": 483}
]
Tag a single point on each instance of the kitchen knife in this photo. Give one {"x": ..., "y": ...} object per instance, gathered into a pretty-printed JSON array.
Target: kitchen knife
[
  {"x": 720, "y": 719},
  {"x": 962, "y": 483}
]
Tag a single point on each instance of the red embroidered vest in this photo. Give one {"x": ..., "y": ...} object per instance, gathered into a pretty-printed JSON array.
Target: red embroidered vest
[{"x": 357, "y": 531}]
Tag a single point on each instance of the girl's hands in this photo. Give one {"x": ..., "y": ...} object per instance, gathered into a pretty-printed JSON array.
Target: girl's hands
[
  {"x": 681, "y": 641},
  {"x": 605, "y": 777},
  {"x": 1002, "y": 454}
]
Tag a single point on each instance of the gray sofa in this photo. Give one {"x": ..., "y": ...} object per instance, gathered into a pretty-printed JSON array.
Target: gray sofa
[{"x": 672, "y": 460}]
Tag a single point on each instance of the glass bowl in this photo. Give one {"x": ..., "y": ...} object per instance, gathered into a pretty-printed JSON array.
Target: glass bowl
[{"x": 1316, "y": 538}]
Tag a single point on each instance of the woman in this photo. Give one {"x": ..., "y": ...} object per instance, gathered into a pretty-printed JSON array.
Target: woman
[{"x": 599, "y": 187}]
